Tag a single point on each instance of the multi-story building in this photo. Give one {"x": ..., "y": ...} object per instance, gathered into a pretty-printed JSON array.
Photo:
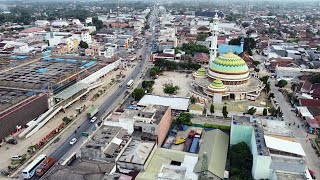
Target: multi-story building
[
  {"x": 151, "y": 123},
  {"x": 273, "y": 157}
]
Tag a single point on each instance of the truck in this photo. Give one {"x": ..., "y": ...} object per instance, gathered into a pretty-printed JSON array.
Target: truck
[
  {"x": 45, "y": 166},
  {"x": 92, "y": 111},
  {"x": 194, "y": 145},
  {"x": 198, "y": 133}
]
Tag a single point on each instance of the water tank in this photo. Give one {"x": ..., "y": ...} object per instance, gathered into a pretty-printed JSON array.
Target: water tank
[{"x": 261, "y": 153}]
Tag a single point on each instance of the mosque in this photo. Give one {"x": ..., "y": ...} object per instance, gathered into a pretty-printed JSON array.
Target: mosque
[{"x": 227, "y": 76}]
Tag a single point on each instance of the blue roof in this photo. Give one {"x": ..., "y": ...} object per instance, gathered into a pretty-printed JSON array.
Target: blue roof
[
  {"x": 47, "y": 59},
  {"x": 225, "y": 48},
  {"x": 59, "y": 59},
  {"x": 42, "y": 70},
  {"x": 71, "y": 60}
]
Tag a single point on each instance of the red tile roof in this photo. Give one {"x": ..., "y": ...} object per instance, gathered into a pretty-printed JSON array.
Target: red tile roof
[
  {"x": 306, "y": 86},
  {"x": 310, "y": 102}
]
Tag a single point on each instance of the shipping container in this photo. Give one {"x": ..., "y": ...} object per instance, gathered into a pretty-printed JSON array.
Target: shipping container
[
  {"x": 194, "y": 145},
  {"x": 45, "y": 166}
]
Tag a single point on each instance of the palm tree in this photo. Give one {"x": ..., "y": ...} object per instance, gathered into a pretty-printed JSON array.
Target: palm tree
[{"x": 294, "y": 86}]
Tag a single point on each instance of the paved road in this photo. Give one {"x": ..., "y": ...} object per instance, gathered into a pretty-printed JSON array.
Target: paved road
[
  {"x": 106, "y": 107},
  {"x": 311, "y": 158}
]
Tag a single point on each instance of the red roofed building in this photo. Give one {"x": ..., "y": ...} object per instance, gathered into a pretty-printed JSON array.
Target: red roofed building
[
  {"x": 201, "y": 58},
  {"x": 170, "y": 57},
  {"x": 221, "y": 39},
  {"x": 119, "y": 24},
  {"x": 309, "y": 102},
  {"x": 31, "y": 31},
  {"x": 281, "y": 62}
]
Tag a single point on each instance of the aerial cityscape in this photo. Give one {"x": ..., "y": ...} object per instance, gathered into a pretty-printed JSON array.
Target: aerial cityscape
[{"x": 159, "y": 90}]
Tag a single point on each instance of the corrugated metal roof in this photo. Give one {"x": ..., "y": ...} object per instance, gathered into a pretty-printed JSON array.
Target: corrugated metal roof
[
  {"x": 175, "y": 103},
  {"x": 215, "y": 144},
  {"x": 283, "y": 145}
]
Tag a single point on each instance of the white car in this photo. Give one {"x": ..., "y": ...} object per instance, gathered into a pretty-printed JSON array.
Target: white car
[
  {"x": 73, "y": 141},
  {"x": 93, "y": 119}
]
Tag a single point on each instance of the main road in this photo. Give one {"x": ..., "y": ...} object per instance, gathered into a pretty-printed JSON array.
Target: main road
[
  {"x": 106, "y": 107},
  {"x": 300, "y": 135}
]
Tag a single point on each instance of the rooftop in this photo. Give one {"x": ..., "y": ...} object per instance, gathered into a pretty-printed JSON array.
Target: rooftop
[
  {"x": 176, "y": 103},
  {"x": 10, "y": 97},
  {"x": 165, "y": 157},
  {"x": 215, "y": 146},
  {"x": 80, "y": 169},
  {"x": 137, "y": 152}
]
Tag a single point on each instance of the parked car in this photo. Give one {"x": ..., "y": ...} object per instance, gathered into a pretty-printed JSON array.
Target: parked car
[
  {"x": 12, "y": 141},
  {"x": 93, "y": 119},
  {"x": 16, "y": 157},
  {"x": 73, "y": 141}
]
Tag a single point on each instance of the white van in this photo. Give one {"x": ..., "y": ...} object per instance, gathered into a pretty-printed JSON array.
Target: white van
[{"x": 16, "y": 158}]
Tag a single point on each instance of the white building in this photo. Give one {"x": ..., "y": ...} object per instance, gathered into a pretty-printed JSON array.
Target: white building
[
  {"x": 42, "y": 23},
  {"x": 88, "y": 20},
  {"x": 83, "y": 36},
  {"x": 59, "y": 23}
]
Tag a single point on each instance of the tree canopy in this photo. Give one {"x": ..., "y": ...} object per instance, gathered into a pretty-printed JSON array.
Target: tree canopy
[
  {"x": 83, "y": 45},
  {"x": 282, "y": 83},
  {"x": 163, "y": 65},
  {"x": 138, "y": 93},
  {"x": 183, "y": 118},
  {"x": 240, "y": 162},
  {"x": 225, "y": 111},
  {"x": 249, "y": 44},
  {"x": 202, "y": 36},
  {"x": 170, "y": 88},
  {"x": 193, "y": 48}
]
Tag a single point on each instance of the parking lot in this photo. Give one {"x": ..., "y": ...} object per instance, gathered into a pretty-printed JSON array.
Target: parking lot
[{"x": 169, "y": 143}]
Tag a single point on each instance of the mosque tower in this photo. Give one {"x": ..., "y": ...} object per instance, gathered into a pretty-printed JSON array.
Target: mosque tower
[{"x": 214, "y": 41}]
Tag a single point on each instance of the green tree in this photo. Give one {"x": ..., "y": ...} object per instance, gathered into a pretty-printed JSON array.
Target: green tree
[
  {"x": 138, "y": 93},
  {"x": 267, "y": 88},
  {"x": 170, "y": 88},
  {"x": 256, "y": 63},
  {"x": 245, "y": 24},
  {"x": 193, "y": 48},
  {"x": 265, "y": 112},
  {"x": 271, "y": 95},
  {"x": 183, "y": 118},
  {"x": 294, "y": 86},
  {"x": 249, "y": 44},
  {"x": 202, "y": 36},
  {"x": 240, "y": 162},
  {"x": 251, "y": 111},
  {"x": 282, "y": 83},
  {"x": 273, "y": 111},
  {"x": 97, "y": 23},
  {"x": 193, "y": 100},
  {"x": 153, "y": 73},
  {"x": 315, "y": 78},
  {"x": 225, "y": 111},
  {"x": 212, "y": 109},
  {"x": 66, "y": 120},
  {"x": 83, "y": 45}
]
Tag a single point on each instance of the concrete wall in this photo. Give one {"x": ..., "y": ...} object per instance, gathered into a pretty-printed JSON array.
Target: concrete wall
[
  {"x": 240, "y": 134},
  {"x": 261, "y": 164},
  {"x": 164, "y": 126},
  {"x": 22, "y": 114}
]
